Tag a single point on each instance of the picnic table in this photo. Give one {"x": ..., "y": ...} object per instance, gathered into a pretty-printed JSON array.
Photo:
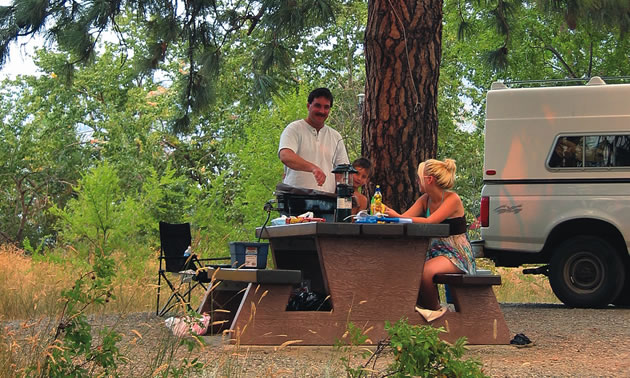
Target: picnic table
[{"x": 370, "y": 273}]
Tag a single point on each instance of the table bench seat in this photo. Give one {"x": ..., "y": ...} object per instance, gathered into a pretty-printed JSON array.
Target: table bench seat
[{"x": 477, "y": 313}]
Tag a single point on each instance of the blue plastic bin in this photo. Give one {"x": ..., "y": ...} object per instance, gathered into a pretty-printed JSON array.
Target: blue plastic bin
[{"x": 249, "y": 255}]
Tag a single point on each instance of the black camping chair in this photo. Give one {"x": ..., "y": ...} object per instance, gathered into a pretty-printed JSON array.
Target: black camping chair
[{"x": 174, "y": 241}]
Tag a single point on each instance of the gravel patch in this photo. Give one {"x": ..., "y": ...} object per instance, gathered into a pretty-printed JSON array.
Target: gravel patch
[{"x": 566, "y": 343}]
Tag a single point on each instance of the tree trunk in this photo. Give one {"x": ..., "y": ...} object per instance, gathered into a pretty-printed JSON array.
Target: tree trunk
[{"x": 403, "y": 49}]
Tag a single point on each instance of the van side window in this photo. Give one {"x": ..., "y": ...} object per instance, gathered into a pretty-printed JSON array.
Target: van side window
[
  {"x": 567, "y": 152},
  {"x": 595, "y": 151},
  {"x": 607, "y": 151}
]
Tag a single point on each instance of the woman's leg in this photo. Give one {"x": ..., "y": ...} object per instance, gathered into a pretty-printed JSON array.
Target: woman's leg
[{"x": 429, "y": 297}]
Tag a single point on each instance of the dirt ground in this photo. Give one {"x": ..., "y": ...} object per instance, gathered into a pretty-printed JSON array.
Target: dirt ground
[{"x": 567, "y": 343}]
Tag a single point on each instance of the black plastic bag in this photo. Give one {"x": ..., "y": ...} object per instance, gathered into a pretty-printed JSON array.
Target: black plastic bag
[{"x": 308, "y": 301}]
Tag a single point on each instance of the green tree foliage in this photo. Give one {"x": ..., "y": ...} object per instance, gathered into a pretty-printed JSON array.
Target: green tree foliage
[
  {"x": 94, "y": 215},
  {"x": 200, "y": 30},
  {"x": 543, "y": 38},
  {"x": 103, "y": 217},
  {"x": 208, "y": 46},
  {"x": 334, "y": 54},
  {"x": 57, "y": 129},
  {"x": 599, "y": 13},
  {"x": 39, "y": 155}
]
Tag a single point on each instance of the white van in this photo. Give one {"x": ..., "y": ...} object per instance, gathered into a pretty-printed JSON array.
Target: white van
[{"x": 557, "y": 187}]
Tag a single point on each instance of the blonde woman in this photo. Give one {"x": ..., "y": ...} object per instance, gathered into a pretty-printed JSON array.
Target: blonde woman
[{"x": 438, "y": 204}]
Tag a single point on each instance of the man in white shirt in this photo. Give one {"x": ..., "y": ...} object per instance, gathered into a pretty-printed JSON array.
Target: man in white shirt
[{"x": 309, "y": 149}]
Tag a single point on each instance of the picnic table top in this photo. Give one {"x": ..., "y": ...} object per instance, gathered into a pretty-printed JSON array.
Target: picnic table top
[{"x": 354, "y": 229}]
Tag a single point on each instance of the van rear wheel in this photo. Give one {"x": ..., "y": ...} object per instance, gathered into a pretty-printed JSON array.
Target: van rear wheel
[{"x": 586, "y": 271}]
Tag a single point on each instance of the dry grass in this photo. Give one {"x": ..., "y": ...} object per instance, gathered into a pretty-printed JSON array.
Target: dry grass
[
  {"x": 32, "y": 303},
  {"x": 31, "y": 289},
  {"x": 517, "y": 287}
]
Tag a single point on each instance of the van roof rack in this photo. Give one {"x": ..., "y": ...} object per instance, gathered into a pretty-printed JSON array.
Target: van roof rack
[{"x": 532, "y": 83}]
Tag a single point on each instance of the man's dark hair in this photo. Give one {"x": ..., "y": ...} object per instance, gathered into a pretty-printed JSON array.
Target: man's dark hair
[
  {"x": 320, "y": 92},
  {"x": 362, "y": 162}
]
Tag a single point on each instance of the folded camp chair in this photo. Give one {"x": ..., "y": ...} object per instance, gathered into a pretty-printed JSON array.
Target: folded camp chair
[{"x": 174, "y": 240}]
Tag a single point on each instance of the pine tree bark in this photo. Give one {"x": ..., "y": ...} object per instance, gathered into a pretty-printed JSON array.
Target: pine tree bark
[{"x": 403, "y": 49}]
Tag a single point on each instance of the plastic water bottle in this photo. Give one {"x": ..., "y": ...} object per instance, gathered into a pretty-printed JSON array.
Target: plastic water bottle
[
  {"x": 187, "y": 252},
  {"x": 376, "y": 205},
  {"x": 372, "y": 205}
]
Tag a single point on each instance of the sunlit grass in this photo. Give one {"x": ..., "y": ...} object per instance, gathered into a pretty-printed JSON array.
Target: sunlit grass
[
  {"x": 31, "y": 288},
  {"x": 32, "y": 304},
  {"x": 517, "y": 287}
]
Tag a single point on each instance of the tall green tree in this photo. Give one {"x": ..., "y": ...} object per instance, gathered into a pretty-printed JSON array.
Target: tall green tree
[{"x": 39, "y": 156}]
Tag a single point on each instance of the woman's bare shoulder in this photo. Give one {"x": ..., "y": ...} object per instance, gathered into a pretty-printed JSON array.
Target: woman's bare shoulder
[{"x": 453, "y": 195}]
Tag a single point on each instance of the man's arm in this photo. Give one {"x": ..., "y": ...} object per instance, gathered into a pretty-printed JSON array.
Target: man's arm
[{"x": 295, "y": 162}]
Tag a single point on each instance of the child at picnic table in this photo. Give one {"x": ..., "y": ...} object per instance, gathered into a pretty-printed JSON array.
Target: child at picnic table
[
  {"x": 363, "y": 167},
  {"x": 452, "y": 254}
]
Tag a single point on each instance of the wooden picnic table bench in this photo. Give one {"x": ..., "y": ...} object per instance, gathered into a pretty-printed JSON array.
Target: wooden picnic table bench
[
  {"x": 477, "y": 313},
  {"x": 371, "y": 274}
]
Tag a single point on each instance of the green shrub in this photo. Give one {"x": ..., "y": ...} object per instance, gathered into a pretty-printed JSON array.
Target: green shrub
[
  {"x": 99, "y": 221},
  {"x": 417, "y": 352}
]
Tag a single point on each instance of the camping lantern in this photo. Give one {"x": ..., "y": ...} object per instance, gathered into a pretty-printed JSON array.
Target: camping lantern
[{"x": 344, "y": 177}]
